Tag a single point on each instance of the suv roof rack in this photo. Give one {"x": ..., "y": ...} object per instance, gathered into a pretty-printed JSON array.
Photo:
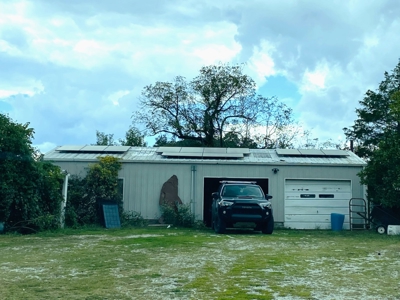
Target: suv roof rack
[{"x": 247, "y": 182}]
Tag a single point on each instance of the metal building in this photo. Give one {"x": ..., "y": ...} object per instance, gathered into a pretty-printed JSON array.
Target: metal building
[{"x": 306, "y": 185}]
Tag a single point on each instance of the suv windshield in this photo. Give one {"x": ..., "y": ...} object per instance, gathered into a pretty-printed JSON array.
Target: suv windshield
[{"x": 242, "y": 190}]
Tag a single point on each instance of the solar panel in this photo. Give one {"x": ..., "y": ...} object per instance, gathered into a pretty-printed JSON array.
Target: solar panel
[
  {"x": 169, "y": 149},
  {"x": 334, "y": 152},
  {"x": 288, "y": 152},
  {"x": 94, "y": 148},
  {"x": 202, "y": 152},
  {"x": 311, "y": 152},
  {"x": 238, "y": 150},
  {"x": 70, "y": 148},
  {"x": 191, "y": 150},
  {"x": 214, "y": 150},
  {"x": 117, "y": 149},
  {"x": 181, "y": 154},
  {"x": 203, "y": 155},
  {"x": 111, "y": 216},
  {"x": 223, "y": 155}
]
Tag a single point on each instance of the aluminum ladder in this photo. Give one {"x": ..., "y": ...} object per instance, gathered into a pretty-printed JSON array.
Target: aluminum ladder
[{"x": 358, "y": 214}]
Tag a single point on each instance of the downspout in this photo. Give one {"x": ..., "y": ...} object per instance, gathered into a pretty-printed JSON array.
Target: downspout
[
  {"x": 64, "y": 202},
  {"x": 193, "y": 191}
]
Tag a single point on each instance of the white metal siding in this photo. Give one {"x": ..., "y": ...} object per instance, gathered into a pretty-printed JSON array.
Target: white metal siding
[
  {"x": 309, "y": 203},
  {"x": 143, "y": 181}
]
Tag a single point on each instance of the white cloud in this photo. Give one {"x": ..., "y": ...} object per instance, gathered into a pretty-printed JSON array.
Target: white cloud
[
  {"x": 45, "y": 147},
  {"x": 83, "y": 64},
  {"x": 315, "y": 80},
  {"x": 115, "y": 97},
  {"x": 262, "y": 63},
  {"x": 29, "y": 87}
]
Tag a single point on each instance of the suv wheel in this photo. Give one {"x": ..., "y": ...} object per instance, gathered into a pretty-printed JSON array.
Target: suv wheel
[
  {"x": 219, "y": 225},
  {"x": 268, "y": 227}
]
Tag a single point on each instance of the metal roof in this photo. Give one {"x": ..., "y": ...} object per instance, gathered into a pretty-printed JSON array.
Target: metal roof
[{"x": 192, "y": 155}]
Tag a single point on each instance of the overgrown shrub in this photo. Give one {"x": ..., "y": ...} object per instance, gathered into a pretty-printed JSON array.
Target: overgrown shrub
[
  {"x": 85, "y": 195},
  {"x": 132, "y": 219},
  {"x": 30, "y": 189},
  {"x": 179, "y": 216},
  {"x": 79, "y": 210}
]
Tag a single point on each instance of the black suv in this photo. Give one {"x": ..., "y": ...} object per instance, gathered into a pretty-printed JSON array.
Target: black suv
[{"x": 241, "y": 201}]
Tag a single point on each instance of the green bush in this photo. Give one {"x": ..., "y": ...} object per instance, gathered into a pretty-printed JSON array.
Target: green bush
[
  {"x": 180, "y": 215},
  {"x": 132, "y": 219},
  {"x": 80, "y": 210},
  {"x": 85, "y": 195},
  {"x": 30, "y": 189}
]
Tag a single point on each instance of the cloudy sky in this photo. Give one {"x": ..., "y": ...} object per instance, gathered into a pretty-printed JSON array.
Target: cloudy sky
[{"x": 71, "y": 67}]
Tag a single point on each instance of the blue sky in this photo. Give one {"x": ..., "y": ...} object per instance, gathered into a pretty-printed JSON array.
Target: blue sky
[
  {"x": 286, "y": 91},
  {"x": 73, "y": 67}
]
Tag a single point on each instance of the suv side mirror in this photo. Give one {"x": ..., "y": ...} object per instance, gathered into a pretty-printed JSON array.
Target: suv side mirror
[
  {"x": 215, "y": 195},
  {"x": 268, "y": 197}
]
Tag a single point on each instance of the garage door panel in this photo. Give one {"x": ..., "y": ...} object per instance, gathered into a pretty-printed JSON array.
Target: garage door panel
[
  {"x": 312, "y": 225},
  {"x": 316, "y": 185},
  {"x": 317, "y": 203},
  {"x": 310, "y": 218},
  {"x": 309, "y": 203},
  {"x": 317, "y": 195},
  {"x": 308, "y": 211}
]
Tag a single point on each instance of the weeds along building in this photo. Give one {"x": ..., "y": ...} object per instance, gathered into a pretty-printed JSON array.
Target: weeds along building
[{"x": 306, "y": 185}]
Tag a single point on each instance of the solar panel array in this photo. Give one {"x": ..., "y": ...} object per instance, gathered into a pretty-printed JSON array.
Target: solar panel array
[
  {"x": 93, "y": 148},
  {"x": 192, "y": 152},
  {"x": 312, "y": 152}
]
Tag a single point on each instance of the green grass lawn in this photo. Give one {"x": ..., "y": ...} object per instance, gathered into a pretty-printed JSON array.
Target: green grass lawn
[{"x": 170, "y": 263}]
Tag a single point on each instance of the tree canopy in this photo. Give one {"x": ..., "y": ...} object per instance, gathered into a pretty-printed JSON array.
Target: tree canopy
[
  {"x": 381, "y": 174},
  {"x": 377, "y": 115},
  {"x": 377, "y": 136},
  {"x": 133, "y": 137},
  {"x": 217, "y": 108},
  {"x": 104, "y": 139},
  {"x": 30, "y": 190}
]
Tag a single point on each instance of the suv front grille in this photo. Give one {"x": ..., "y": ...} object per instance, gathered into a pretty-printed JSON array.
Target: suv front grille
[{"x": 249, "y": 209}]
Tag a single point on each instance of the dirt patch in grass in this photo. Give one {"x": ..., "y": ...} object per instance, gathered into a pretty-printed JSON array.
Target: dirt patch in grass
[{"x": 170, "y": 263}]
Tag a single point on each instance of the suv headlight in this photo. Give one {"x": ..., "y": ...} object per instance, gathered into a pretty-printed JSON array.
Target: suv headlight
[
  {"x": 266, "y": 205},
  {"x": 225, "y": 203}
]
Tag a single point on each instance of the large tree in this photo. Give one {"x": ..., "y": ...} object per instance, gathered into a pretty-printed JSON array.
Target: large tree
[
  {"x": 375, "y": 116},
  {"x": 133, "y": 137},
  {"x": 220, "y": 100},
  {"x": 104, "y": 139},
  {"x": 377, "y": 136},
  {"x": 381, "y": 174}
]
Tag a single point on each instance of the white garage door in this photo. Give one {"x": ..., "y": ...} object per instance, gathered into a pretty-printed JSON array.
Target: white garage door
[{"x": 309, "y": 203}]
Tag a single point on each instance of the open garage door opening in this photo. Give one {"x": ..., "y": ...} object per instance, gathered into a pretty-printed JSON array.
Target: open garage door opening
[{"x": 211, "y": 185}]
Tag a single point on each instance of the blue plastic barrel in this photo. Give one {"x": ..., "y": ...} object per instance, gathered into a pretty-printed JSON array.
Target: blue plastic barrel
[{"x": 337, "y": 221}]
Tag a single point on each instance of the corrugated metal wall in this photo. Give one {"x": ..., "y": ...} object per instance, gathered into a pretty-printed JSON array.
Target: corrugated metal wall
[{"x": 143, "y": 181}]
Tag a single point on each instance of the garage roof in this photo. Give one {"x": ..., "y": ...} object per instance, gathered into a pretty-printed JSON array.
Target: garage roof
[{"x": 206, "y": 155}]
